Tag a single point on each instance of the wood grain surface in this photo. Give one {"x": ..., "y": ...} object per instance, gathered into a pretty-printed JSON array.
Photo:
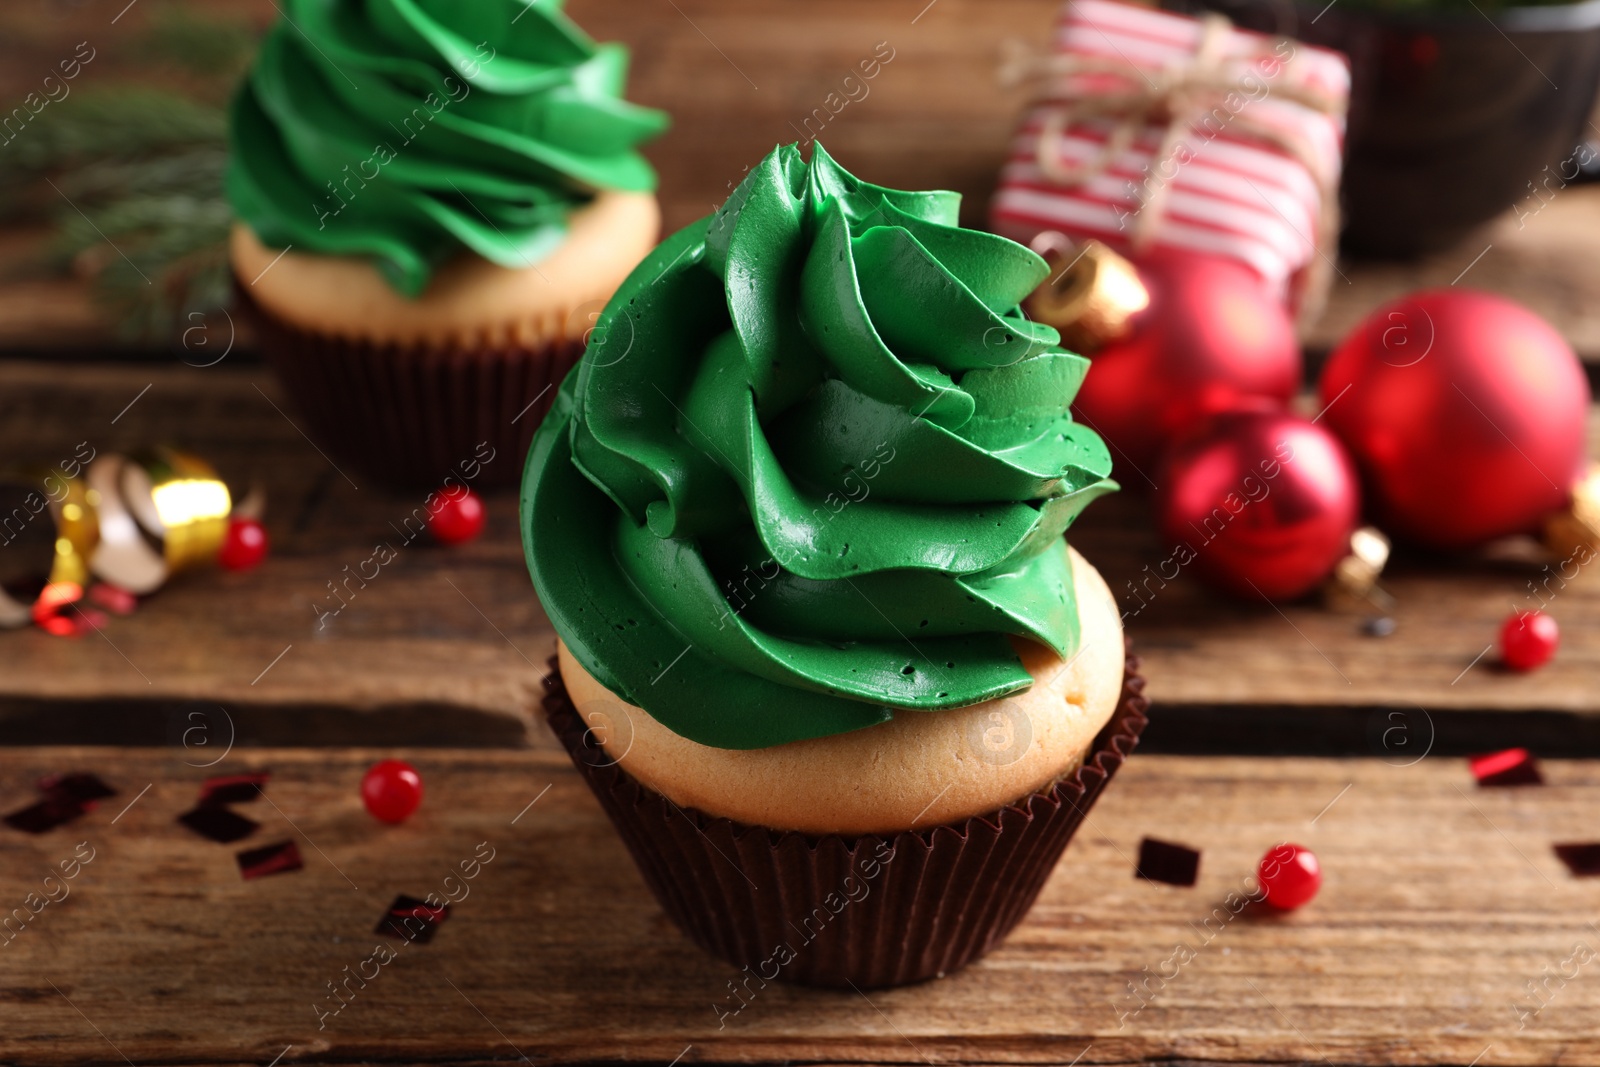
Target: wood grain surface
[
  {"x": 740, "y": 76},
  {"x": 1441, "y": 903},
  {"x": 449, "y": 644}
]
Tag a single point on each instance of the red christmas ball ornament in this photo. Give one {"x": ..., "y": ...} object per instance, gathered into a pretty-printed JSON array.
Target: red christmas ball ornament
[
  {"x": 455, "y": 517},
  {"x": 1465, "y": 413},
  {"x": 1262, "y": 502},
  {"x": 1290, "y": 876},
  {"x": 391, "y": 790},
  {"x": 1212, "y": 338},
  {"x": 244, "y": 545},
  {"x": 1528, "y": 640}
]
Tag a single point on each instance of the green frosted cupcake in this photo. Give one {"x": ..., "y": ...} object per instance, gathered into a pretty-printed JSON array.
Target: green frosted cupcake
[
  {"x": 435, "y": 200},
  {"x": 798, "y": 520}
]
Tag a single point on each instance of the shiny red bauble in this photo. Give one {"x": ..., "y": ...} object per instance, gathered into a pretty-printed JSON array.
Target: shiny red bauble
[
  {"x": 1290, "y": 876},
  {"x": 243, "y": 546},
  {"x": 1528, "y": 640},
  {"x": 1262, "y": 502},
  {"x": 1465, "y": 413},
  {"x": 391, "y": 790},
  {"x": 455, "y": 516},
  {"x": 1211, "y": 339}
]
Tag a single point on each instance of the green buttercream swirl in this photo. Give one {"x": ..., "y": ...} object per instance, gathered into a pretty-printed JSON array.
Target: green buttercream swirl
[
  {"x": 405, "y": 130},
  {"x": 814, "y": 466}
]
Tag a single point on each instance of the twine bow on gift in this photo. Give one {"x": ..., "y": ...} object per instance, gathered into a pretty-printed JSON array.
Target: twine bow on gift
[{"x": 1176, "y": 98}]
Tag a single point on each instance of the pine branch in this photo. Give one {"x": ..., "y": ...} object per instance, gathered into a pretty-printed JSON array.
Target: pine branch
[
  {"x": 154, "y": 259},
  {"x": 123, "y": 123},
  {"x": 145, "y": 167},
  {"x": 196, "y": 172}
]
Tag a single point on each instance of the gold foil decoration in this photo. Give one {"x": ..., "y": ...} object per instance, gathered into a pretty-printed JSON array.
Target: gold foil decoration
[
  {"x": 1092, "y": 295},
  {"x": 58, "y": 555},
  {"x": 77, "y": 534},
  {"x": 1577, "y": 528},
  {"x": 1356, "y": 576},
  {"x": 129, "y": 521},
  {"x": 190, "y": 503},
  {"x": 160, "y": 512}
]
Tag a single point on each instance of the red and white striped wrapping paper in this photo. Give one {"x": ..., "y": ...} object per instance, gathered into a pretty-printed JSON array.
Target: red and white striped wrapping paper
[{"x": 1235, "y": 194}]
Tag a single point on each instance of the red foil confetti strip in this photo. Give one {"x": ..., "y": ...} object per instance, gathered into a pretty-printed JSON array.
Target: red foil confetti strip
[
  {"x": 270, "y": 859},
  {"x": 410, "y": 919},
  {"x": 232, "y": 788},
  {"x": 113, "y": 598},
  {"x": 66, "y": 796},
  {"x": 54, "y": 598},
  {"x": 58, "y": 613},
  {"x": 1514, "y": 766},
  {"x": 1166, "y": 862},
  {"x": 88, "y": 619},
  {"x": 59, "y": 626}
]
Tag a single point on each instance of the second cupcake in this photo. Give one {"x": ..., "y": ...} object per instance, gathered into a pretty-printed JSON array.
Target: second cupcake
[{"x": 435, "y": 201}]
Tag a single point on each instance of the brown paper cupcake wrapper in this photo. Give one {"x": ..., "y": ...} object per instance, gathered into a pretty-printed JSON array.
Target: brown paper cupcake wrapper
[
  {"x": 405, "y": 417},
  {"x": 867, "y": 911}
]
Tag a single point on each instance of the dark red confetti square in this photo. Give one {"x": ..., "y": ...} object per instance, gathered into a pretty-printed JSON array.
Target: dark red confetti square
[
  {"x": 232, "y": 788},
  {"x": 270, "y": 859},
  {"x": 1163, "y": 861},
  {"x": 80, "y": 789},
  {"x": 66, "y": 796},
  {"x": 1581, "y": 858},
  {"x": 1514, "y": 766},
  {"x": 219, "y": 824},
  {"x": 47, "y": 814},
  {"x": 411, "y": 919}
]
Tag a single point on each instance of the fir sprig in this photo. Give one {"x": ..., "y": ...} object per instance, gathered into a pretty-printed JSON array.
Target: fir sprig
[{"x": 138, "y": 204}]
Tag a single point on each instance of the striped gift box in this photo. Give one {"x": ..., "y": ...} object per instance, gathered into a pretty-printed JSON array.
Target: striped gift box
[{"x": 1220, "y": 141}]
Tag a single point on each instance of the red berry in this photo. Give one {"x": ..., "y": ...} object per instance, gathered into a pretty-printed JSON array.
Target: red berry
[
  {"x": 1290, "y": 876},
  {"x": 455, "y": 517},
  {"x": 244, "y": 545},
  {"x": 392, "y": 790},
  {"x": 1528, "y": 640}
]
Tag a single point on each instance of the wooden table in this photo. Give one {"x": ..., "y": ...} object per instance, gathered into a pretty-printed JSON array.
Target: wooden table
[
  {"x": 451, "y": 642},
  {"x": 1442, "y": 900}
]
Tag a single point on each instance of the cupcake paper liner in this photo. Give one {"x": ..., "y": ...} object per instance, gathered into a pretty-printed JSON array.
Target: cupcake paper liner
[
  {"x": 407, "y": 416},
  {"x": 865, "y": 911}
]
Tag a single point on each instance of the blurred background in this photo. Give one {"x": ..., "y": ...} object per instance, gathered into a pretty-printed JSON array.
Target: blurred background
[{"x": 1459, "y": 108}]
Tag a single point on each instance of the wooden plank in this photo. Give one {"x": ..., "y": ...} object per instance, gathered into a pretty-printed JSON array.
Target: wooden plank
[
  {"x": 1202, "y": 648},
  {"x": 460, "y": 630},
  {"x": 438, "y": 628},
  {"x": 739, "y": 78},
  {"x": 1441, "y": 902},
  {"x": 38, "y": 310}
]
